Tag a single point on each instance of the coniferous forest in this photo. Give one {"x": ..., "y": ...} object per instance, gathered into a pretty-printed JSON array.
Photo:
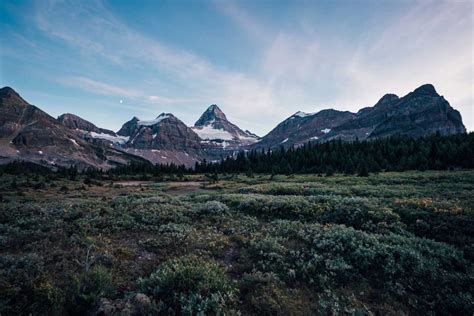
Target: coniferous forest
[{"x": 389, "y": 154}]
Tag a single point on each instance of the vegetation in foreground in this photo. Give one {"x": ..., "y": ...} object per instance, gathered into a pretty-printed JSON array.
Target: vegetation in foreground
[{"x": 392, "y": 243}]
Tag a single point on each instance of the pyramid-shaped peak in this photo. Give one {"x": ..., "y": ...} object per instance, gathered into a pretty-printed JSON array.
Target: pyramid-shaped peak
[
  {"x": 426, "y": 89},
  {"x": 216, "y": 111},
  {"x": 213, "y": 113}
]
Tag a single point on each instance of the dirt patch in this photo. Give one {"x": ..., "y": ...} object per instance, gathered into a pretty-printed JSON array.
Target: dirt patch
[
  {"x": 179, "y": 188},
  {"x": 134, "y": 183}
]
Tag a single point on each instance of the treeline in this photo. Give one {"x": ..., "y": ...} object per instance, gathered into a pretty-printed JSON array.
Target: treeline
[
  {"x": 149, "y": 168},
  {"x": 358, "y": 157},
  {"x": 24, "y": 167},
  {"x": 18, "y": 167},
  {"x": 134, "y": 169},
  {"x": 435, "y": 152}
]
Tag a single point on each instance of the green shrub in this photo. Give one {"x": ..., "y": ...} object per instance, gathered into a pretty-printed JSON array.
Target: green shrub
[
  {"x": 88, "y": 288},
  {"x": 212, "y": 208},
  {"x": 190, "y": 286},
  {"x": 284, "y": 207},
  {"x": 276, "y": 189},
  {"x": 409, "y": 268},
  {"x": 433, "y": 220},
  {"x": 360, "y": 214},
  {"x": 170, "y": 235},
  {"x": 266, "y": 294},
  {"x": 25, "y": 288}
]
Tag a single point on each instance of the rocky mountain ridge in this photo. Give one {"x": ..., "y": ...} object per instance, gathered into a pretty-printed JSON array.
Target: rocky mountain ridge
[
  {"x": 419, "y": 113},
  {"x": 25, "y": 131},
  {"x": 164, "y": 139}
]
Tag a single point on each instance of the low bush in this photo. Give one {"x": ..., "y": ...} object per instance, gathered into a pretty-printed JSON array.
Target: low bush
[
  {"x": 387, "y": 244},
  {"x": 190, "y": 286},
  {"x": 88, "y": 288},
  {"x": 409, "y": 268},
  {"x": 284, "y": 207},
  {"x": 26, "y": 289},
  {"x": 212, "y": 208}
]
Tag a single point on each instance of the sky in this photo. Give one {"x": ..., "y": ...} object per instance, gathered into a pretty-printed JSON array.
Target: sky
[{"x": 260, "y": 61}]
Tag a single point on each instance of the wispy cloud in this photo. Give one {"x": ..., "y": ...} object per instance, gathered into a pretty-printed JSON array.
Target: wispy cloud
[
  {"x": 430, "y": 43},
  {"x": 108, "y": 39},
  {"x": 100, "y": 87},
  {"x": 296, "y": 69},
  {"x": 103, "y": 88},
  {"x": 243, "y": 19}
]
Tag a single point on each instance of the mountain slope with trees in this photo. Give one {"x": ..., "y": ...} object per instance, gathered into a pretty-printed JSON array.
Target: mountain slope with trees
[{"x": 396, "y": 153}]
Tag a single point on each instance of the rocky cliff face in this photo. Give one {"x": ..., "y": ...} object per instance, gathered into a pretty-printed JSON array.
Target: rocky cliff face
[
  {"x": 303, "y": 127},
  {"x": 419, "y": 113},
  {"x": 164, "y": 132},
  {"x": 165, "y": 139},
  {"x": 75, "y": 122},
  {"x": 129, "y": 127},
  {"x": 27, "y": 133},
  {"x": 90, "y": 132}
]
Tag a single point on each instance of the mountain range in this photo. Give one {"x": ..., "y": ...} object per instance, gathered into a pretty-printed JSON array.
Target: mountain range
[
  {"x": 419, "y": 113},
  {"x": 28, "y": 133}
]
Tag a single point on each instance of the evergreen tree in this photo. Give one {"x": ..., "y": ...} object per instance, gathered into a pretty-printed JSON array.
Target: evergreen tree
[{"x": 363, "y": 171}]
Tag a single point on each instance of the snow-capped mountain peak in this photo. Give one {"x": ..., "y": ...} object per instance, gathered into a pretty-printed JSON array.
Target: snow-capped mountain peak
[
  {"x": 213, "y": 127},
  {"x": 213, "y": 113}
]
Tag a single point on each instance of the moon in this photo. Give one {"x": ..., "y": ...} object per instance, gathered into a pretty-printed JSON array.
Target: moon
[{"x": 121, "y": 101}]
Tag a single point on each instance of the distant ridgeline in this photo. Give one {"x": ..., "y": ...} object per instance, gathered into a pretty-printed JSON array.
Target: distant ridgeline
[
  {"x": 389, "y": 154},
  {"x": 394, "y": 153}
]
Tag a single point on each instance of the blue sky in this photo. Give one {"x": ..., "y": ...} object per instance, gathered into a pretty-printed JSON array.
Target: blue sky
[{"x": 261, "y": 61}]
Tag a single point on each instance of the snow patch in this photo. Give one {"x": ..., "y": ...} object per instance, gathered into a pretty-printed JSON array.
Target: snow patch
[
  {"x": 208, "y": 132},
  {"x": 74, "y": 142},
  {"x": 302, "y": 114},
  {"x": 133, "y": 140},
  {"x": 252, "y": 139},
  {"x": 111, "y": 138},
  {"x": 40, "y": 152},
  {"x": 160, "y": 118},
  {"x": 284, "y": 141},
  {"x": 326, "y": 130},
  {"x": 314, "y": 137},
  {"x": 164, "y": 157}
]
